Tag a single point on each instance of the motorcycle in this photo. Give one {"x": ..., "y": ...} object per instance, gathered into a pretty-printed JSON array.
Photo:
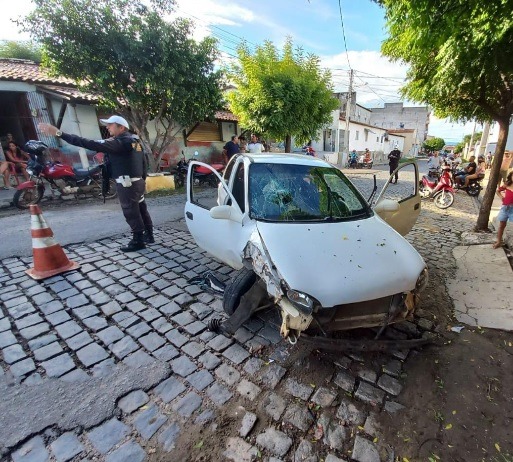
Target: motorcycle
[
  {"x": 62, "y": 178},
  {"x": 365, "y": 163},
  {"x": 439, "y": 189},
  {"x": 201, "y": 175},
  {"x": 474, "y": 186}
]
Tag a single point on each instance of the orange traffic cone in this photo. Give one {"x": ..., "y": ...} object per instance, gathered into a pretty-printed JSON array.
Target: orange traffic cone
[{"x": 49, "y": 258}]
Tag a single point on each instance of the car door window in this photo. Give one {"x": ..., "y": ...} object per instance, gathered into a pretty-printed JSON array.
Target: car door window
[
  {"x": 203, "y": 194},
  {"x": 238, "y": 189}
]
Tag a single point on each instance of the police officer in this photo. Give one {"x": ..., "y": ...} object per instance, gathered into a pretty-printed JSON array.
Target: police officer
[{"x": 128, "y": 166}]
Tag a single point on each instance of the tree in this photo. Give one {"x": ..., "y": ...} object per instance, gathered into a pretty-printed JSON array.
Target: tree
[
  {"x": 461, "y": 63},
  {"x": 20, "y": 50},
  {"x": 140, "y": 65},
  {"x": 281, "y": 95},
  {"x": 434, "y": 144}
]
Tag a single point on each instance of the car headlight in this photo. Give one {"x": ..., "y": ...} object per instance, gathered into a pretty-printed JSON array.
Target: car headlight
[
  {"x": 422, "y": 280},
  {"x": 301, "y": 301}
]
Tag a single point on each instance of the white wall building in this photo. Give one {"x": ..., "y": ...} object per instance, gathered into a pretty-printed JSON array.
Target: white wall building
[{"x": 394, "y": 116}]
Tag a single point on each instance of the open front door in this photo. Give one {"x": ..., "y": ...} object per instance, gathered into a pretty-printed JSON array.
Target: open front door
[
  {"x": 221, "y": 237},
  {"x": 399, "y": 204}
]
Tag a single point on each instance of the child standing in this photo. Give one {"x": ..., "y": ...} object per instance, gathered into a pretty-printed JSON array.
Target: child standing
[{"x": 506, "y": 211}]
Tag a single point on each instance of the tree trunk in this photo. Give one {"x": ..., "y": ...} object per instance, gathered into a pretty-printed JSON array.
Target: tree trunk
[
  {"x": 486, "y": 205},
  {"x": 288, "y": 143}
]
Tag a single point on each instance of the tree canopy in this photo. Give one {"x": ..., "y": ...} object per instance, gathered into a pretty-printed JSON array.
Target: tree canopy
[
  {"x": 20, "y": 50},
  {"x": 282, "y": 94},
  {"x": 460, "y": 55},
  {"x": 140, "y": 65},
  {"x": 434, "y": 144}
]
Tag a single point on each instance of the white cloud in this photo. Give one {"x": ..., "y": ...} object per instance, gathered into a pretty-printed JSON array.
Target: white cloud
[{"x": 12, "y": 11}]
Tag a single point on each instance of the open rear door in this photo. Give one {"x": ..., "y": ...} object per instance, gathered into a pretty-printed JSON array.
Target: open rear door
[{"x": 402, "y": 215}]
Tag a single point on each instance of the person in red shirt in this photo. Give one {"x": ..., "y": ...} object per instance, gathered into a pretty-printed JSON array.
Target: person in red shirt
[{"x": 506, "y": 211}]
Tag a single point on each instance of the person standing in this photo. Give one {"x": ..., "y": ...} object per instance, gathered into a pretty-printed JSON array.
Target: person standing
[
  {"x": 255, "y": 146},
  {"x": 230, "y": 149},
  {"x": 506, "y": 211},
  {"x": 128, "y": 164},
  {"x": 506, "y": 164},
  {"x": 393, "y": 162}
]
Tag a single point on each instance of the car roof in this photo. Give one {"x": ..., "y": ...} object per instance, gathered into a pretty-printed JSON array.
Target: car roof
[{"x": 285, "y": 158}]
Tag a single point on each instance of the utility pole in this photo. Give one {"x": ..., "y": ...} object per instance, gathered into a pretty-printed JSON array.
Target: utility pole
[
  {"x": 484, "y": 139},
  {"x": 470, "y": 145},
  {"x": 349, "y": 105}
]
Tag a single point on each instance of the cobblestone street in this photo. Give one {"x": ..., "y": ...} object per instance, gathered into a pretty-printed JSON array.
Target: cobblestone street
[{"x": 115, "y": 362}]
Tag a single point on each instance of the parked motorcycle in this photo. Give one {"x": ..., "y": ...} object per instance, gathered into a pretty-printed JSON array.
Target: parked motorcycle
[
  {"x": 202, "y": 175},
  {"x": 439, "y": 189},
  {"x": 62, "y": 178}
]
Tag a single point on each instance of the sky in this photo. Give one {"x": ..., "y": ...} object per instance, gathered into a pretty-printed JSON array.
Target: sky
[{"x": 317, "y": 26}]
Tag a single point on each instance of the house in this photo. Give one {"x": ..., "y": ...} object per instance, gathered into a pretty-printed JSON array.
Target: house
[
  {"x": 29, "y": 95},
  {"x": 361, "y": 134}
]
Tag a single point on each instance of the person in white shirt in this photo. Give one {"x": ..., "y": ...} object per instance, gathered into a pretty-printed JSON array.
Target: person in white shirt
[
  {"x": 255, "y": 146},
  {"x": 434, "y": 161}
]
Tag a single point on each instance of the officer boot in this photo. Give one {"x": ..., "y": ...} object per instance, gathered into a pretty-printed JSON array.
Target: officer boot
[
  {"x": 137, "y": 243},
  {"x": 148, "y": 235}
]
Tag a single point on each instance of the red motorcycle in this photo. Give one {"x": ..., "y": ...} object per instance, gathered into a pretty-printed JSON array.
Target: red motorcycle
[
  {"x": 438, "y": 187},
  {"x": 201, "y": 175},
  {"x": 63, "y": 179}
]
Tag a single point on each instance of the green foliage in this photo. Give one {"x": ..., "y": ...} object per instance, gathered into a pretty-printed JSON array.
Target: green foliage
[
  {"x": 20, "y": 50},
  {"x": 281, "y": 94},
  {"x": 434, "y": 144},
  {"x": 460, "y": 55},
  {"x": 140, "y": 65}
]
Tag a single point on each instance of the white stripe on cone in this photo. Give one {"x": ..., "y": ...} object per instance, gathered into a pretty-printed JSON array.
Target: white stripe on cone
[
  {"x": 42, "y": 242},
  {"x": 37, "y": 222}
]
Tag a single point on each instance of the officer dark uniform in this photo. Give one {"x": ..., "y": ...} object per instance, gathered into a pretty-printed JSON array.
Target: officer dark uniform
[
  {"x": 128, "y": 167},
  {"x": 393, "y": 162}
]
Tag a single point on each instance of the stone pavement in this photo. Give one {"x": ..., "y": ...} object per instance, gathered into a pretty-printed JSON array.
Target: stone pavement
[{"x": 114, "y": 362}]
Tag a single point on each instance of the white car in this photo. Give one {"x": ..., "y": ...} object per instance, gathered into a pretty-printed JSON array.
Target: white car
[{"x": 305, "y": 240}]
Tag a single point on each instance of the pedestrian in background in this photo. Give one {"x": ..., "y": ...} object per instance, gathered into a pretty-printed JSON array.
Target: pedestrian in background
[
  {"x": 506, "y": 164},
  {"x": 128, "y": 164},
  {"x": 506, "y": 211},
  {"x": 255, "y": 146},
  {"x": 393, "y": 162},
  {"x": 231, "y": 148},
  {"x": 242, "y": 143}
]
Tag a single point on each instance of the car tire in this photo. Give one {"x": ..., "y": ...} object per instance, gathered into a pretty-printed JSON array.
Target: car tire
[{"x": 236, "y": 289}]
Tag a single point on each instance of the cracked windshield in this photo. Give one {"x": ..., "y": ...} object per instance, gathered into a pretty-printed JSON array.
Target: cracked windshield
[{"x": 281, "y": 192}]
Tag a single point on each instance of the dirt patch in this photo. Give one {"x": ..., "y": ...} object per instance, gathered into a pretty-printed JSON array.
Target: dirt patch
[{"x": 457, "y": 397}]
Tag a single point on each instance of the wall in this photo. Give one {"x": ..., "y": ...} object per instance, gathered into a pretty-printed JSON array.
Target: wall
[{"x": 392, "y": 115}]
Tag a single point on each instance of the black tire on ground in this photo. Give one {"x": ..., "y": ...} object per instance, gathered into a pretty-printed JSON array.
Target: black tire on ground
[
  {"x": 443, "y": 200},
  {"x": 473, "y": 189},
  {"x": 236, "y": 289},
  {"x": 24, "y": 198},
  {"x": 179, "y": 180}
]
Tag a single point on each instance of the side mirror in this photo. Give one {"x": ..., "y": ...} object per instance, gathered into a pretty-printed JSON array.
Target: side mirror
[
  {"x": 226, "y": 212},
  {"x": 386, "y": 205}
]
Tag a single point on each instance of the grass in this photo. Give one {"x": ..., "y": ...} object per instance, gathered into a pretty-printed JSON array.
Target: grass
[{"x": 164, "y": 192}]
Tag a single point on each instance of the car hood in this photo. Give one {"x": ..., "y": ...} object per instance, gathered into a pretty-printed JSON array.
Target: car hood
[{"x": 345, "y": 262}]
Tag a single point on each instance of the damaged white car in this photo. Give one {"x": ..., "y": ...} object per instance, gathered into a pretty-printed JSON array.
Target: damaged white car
[{"x": 305, "y": 240}]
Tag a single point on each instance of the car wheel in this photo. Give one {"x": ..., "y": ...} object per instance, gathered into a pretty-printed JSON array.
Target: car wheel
[{"x": 236, "y": 289}]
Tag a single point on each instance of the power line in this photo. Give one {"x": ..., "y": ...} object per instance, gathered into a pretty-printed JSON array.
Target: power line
[{"x": 343, "y": 31}]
